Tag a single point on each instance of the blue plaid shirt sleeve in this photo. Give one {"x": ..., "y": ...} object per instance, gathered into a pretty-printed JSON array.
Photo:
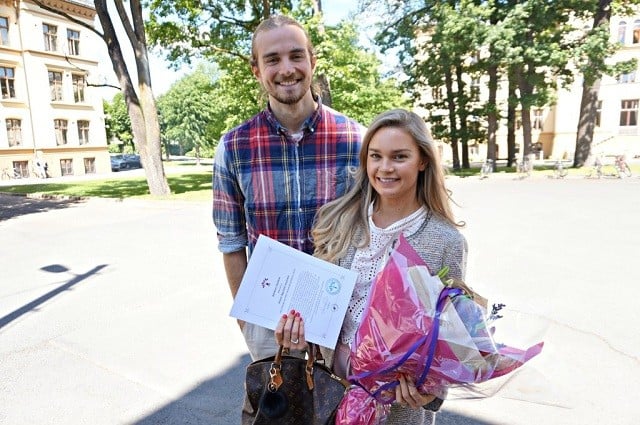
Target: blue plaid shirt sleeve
[{"x": 228, "y": 202}]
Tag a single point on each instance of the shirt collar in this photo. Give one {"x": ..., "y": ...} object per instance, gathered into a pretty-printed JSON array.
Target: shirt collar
[{"x": 309, "y": 125}]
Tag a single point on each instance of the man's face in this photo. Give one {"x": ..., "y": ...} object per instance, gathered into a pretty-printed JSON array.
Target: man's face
[{"x": 284, "y": 65}]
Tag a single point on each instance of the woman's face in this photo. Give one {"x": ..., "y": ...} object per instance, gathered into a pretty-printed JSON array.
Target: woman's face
[{"x": 393, "y": 164}]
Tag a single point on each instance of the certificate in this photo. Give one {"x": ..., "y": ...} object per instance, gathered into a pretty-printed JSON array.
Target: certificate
[{"x": 280, "y": 278}]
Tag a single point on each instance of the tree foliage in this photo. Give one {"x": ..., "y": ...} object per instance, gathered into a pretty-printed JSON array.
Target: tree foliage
[
  {"x": 357, "y": 87},
  {"x": 117, "y": 121},
  {"x": 187, "y": 110}
]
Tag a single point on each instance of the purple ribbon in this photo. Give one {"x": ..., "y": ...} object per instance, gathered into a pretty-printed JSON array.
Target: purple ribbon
[{"x": 435, "y": 328}]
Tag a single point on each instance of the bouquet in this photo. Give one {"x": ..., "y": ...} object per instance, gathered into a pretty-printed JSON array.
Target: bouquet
[{"x": 418, "y": 325}]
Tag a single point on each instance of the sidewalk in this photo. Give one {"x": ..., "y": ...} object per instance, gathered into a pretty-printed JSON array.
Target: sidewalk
[{"x": 117, "y": 312}]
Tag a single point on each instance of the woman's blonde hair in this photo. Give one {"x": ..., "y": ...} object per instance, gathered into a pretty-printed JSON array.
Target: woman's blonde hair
[{"x": 344, "y": 221}]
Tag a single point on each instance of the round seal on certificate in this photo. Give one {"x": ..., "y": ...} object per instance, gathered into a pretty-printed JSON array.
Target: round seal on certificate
[{"x": 332, "y": 286}]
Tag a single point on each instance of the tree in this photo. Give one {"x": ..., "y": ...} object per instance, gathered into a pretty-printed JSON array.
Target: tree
[
  {"x": 141, "y": 104},
  {"x": 356, "y": 86},
  {"x": 186, "y": 111},
  {"x": 117, "y": 121}
]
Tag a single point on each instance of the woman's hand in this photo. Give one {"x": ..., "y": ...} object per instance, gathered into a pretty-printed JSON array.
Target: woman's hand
[
  {"x": 408, "y": 394},
  {"x": 290, "y": 331}
]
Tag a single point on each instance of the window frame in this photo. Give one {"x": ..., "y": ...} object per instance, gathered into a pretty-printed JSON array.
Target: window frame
[
  {"x": 50, "y": 34},
  {"x": 629, "y": 112},
  {"x": 61, "y": 127},
  {"x": 66, "y": 166},
  {"x": 89, "y": 165},
  {"x": 83, "y": 131},
  {"x": 55, "y": 86},
  {"x": 79, "y": 89},
  {"x": 4, "y": 31},
  {"x": 73, "y": 43},
  {"x": 14, "y": 131},
  {"x": 622, "y": 32},
  {"x": 7, "y": 83}
]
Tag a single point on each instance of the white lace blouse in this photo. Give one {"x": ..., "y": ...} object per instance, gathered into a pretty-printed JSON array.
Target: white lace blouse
[{"x": 369, "y": 261}]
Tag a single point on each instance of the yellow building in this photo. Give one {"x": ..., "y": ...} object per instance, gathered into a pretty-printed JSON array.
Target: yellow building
[{"x": 50, "y": 113}]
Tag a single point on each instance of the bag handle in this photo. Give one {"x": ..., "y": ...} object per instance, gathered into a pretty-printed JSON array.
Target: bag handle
[{"x": 275, "y": 372}]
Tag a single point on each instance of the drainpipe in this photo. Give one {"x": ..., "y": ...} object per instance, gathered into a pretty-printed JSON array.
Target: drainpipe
[{"x": 16, "y": 4}]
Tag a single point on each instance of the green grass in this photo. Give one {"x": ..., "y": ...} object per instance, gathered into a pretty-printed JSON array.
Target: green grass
[{"x": 188, "y": 186}]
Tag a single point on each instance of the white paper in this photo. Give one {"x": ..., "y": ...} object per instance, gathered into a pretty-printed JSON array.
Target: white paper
[{"x": 280, "y": 278}]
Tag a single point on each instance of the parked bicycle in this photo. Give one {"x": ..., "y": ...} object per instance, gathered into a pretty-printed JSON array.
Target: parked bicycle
[
  {"x": 8, "y": 174},
  {"x": 621, "y": 166},
  {"x": 487, "y": 168},
  {"x": 559, "y": 172},
  {"x": 595, "y": 172},
  {"x": 524, "y": 167}
]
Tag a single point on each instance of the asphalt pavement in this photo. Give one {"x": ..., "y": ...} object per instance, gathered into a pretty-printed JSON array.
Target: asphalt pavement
[{"x": 116, "y": 312}]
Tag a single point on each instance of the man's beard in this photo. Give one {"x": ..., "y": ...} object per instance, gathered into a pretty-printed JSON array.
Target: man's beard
[{"x": 291, "y": 99}]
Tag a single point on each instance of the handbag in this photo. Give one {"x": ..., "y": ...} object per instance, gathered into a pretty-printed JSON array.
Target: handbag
[{"x": 289, "y": 390}]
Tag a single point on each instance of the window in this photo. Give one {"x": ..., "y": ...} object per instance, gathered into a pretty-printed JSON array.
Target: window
[
  {"x": 4, "y": 31},
  {"x": 50, "y": 33},
  {"x": 537, "y": 122},
  {"x": 89, "y": 165},
  {"x": 83, "y": 132},
  {"x": 629, "y": 113},
  {"x": 636, "y": 32},
  {"x": 22, "y": 167},
  {"x": 66, "y": 167},
  {"x": 14, "y": 132},
  {"x": 79, "y": 83},
  {"x": 61, "y": 131},
  {"x": 598, "y": 113},
  {"x": 622, "y": 31},
  {"x": 55, "y": 84},
  {"x": 629, "y": 77},
  {"x": 8, "y": 82},
  {"x": 73, "y": 42}
]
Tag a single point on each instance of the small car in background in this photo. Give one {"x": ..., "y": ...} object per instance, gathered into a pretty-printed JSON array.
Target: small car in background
[{"x": 125, "y": 162}]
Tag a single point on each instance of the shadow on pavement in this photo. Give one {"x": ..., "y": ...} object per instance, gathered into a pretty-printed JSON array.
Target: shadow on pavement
[
  {"x": 12, "y": 206},
  {"x": 216, "y": 401},
  {"x": 53, "y": 268}
]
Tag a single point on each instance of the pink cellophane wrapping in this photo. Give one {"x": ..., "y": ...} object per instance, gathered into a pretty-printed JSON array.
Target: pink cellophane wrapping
[{"x": 398, "y": 320}]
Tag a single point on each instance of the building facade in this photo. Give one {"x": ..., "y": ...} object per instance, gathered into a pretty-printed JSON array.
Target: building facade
[{"x": 50, "y": 114}]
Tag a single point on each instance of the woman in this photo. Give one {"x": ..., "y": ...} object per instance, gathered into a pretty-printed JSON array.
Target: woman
[{"x": 399, "y": 188}]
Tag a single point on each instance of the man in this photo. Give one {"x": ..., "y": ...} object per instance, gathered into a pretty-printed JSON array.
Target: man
[{"x": 274, "y": 171}]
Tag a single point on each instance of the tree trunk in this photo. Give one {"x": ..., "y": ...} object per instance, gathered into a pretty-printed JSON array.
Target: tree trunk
[
  {"x": 526, "y": 90},
  {"x": 511, "y": 118},
  {"x": 322, "y": 80},
  {"x": 142, "y": 108},
  {"x": 451, "y": 105},
  {"x": 589, "y": 101},
  {"x": 586, "y": 122},
  {"x": 462, "y": 113},
  {"x": 492, "y": 115}
]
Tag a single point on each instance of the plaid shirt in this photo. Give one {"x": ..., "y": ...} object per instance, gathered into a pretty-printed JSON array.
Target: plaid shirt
[{"x": 266, "y": 182}]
